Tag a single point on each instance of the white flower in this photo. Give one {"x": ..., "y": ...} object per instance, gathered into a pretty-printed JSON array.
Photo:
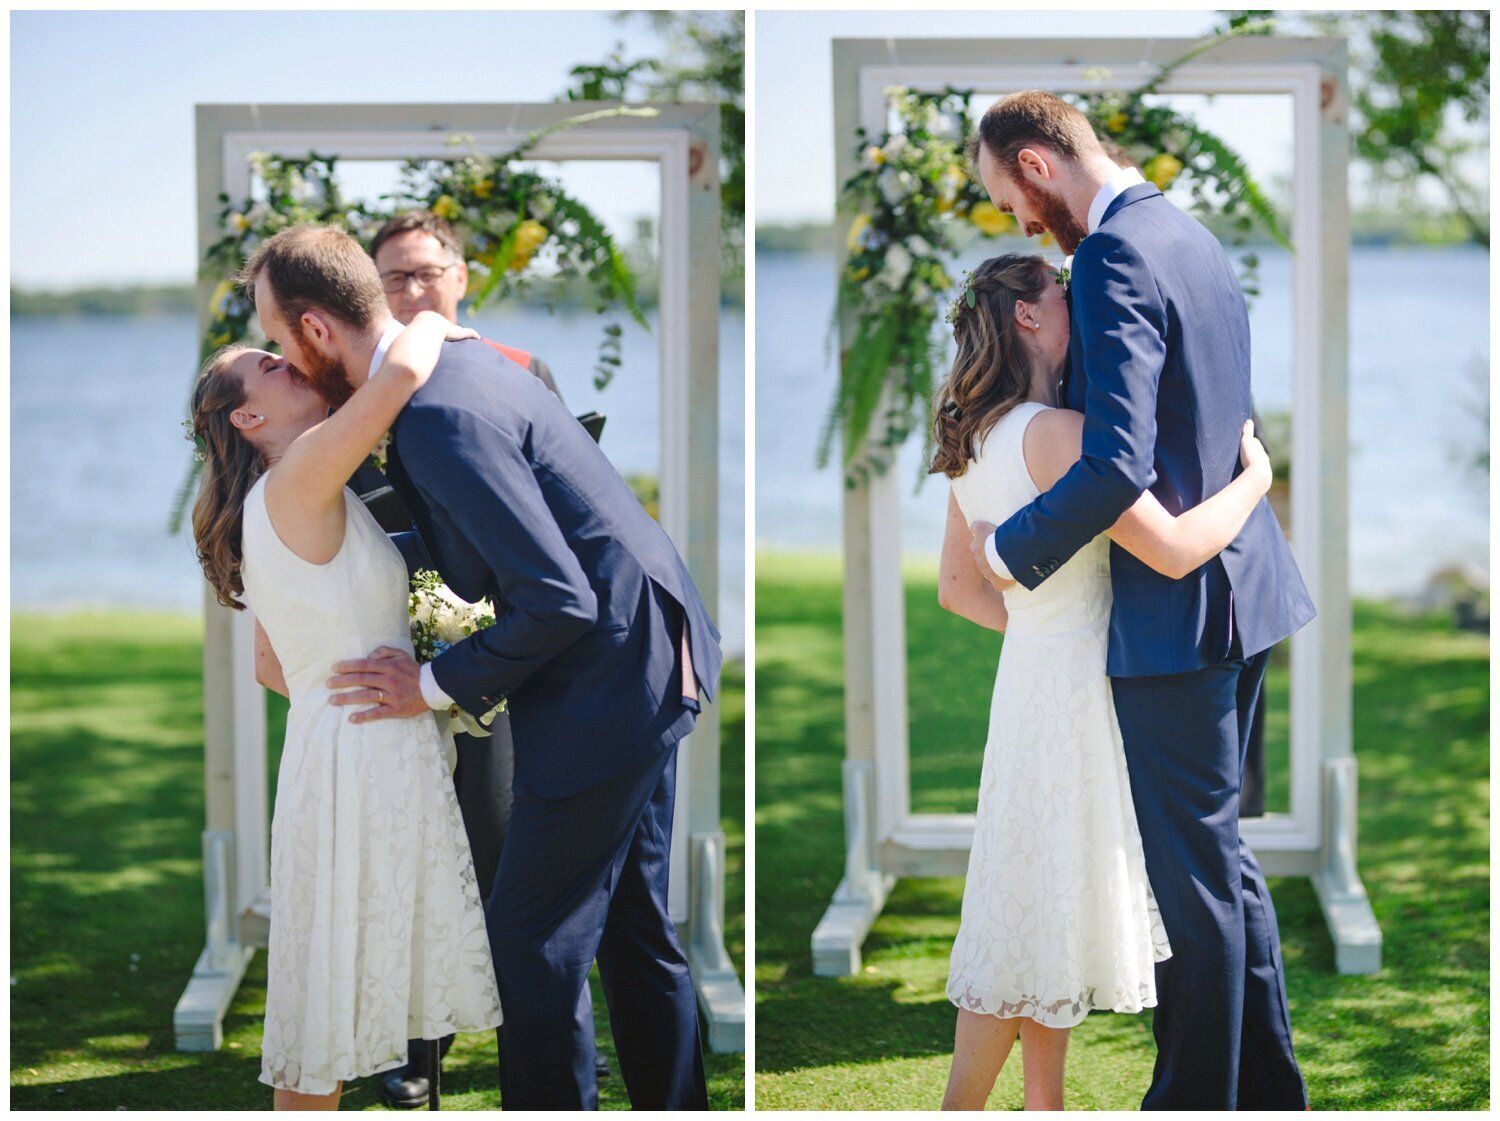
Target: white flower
[
  {"x": 258, "y": 213},
  {"x": 895, "y": 148},
  {"x": 897, "y": 266},
  {"x": 896, "y": 186},
  {"x": 919, "y": 247}
]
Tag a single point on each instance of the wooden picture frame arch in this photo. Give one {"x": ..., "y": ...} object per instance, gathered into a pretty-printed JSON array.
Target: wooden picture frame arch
[
  {"x": 884, "y": 839},
  {"x": 683, "y": 140}
]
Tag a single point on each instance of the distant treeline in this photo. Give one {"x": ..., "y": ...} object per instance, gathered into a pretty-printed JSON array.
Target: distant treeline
[
  {"x": 171, "y": 299},
  {"x": 1366, "y": 227},
  {"x": 153, "y": 299}
]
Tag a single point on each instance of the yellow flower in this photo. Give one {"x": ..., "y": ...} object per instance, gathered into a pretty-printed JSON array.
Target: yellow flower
[
  {"x": 483, "y": 188},
  {"x": 223, "y": 338},
  {"x": 856, "y": 231},
  {"x": 446, "y": 207},
  {"x": 221, "y": 293},
  {"x": 991, "y": 221},
  {"x": 1117, "y": 122},
  {"x": 1047, "y": 241},
  {"x": 238, "y": 222},
  {"x": 874, "y": 155},
  {"x": 1161, "y": 169},
  {"x": 529, "y": 236},
  {"x": 858, "y": 274}
]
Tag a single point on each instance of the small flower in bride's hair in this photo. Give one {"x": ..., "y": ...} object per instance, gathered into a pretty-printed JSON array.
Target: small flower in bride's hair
[
  {"x": 200, "y": 447},
  {"x": 965, "y": 299}
]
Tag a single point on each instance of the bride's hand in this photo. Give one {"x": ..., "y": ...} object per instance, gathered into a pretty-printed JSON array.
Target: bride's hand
[
  {"x": 432, "y": 321},
  {"x": 1253, "y": 457}
]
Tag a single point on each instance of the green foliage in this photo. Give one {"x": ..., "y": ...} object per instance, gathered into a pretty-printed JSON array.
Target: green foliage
[
  {"x": 1413, "y": 1036},
  {"x": 703, "y": 60},
  {"x": 1415, "y": 75},
  {"x": 914, "y": 205},
  {"x": 106, "y": 888}
]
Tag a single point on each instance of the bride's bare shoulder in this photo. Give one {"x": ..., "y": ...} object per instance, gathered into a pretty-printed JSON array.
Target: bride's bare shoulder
[{"x": 1051, "y": 445}]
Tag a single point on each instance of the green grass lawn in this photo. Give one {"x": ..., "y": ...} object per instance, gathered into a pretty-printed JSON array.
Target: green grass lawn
[
  {"x": 107, "y": 890},
  {"x": 1413, "y": 1036}
]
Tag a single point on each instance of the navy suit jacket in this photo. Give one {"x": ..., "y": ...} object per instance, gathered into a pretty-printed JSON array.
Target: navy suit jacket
[
  {"x": 1159, "y": 363},
  {"x": 513, "y": 499}
]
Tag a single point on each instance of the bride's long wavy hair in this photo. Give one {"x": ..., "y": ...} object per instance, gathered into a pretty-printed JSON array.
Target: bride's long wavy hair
[
  {"x": 992, "y": 370},
  {"x": 230, "y": 467}
]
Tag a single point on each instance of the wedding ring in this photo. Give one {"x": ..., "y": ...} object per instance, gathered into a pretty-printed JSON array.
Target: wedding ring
[{"x": 381, "y": 693}]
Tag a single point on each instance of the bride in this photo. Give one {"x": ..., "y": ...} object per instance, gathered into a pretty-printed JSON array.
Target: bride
[
  {"x": 1058, "y": 916},
  {"x": 377, "y": 930}
]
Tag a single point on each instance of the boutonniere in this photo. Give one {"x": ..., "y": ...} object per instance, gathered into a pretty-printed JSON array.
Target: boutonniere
[
  {"x": 379, "y": 456},
  {"x": 1063, "y": 274}
]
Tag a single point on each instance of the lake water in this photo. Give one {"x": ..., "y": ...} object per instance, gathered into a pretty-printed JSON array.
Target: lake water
[
  {"x": 1418, "y": 368},
  {"x": 97, "y": 450}
]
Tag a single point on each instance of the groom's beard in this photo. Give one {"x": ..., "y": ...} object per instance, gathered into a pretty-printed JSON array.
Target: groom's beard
[
  {"x": 1055, "y": 215},
  {"x": 327, "y": 376}
]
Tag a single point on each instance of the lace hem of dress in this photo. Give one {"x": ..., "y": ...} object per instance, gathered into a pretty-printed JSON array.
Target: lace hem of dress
[
  {"x": 1066, "y": 1013},
  {"x": 288, "y": 1076}
]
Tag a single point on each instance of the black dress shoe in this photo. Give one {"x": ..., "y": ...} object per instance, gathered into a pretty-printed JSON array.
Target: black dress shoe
[{"x": 400, "y": 1089}]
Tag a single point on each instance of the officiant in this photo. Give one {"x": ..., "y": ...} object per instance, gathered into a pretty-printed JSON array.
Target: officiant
[{"x": 420, "y": 259}]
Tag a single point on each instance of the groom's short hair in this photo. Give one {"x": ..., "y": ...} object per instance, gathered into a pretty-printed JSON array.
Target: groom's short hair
[
  {"x": 1032, "y": 117},
  {"x": 318, "y": 267}
]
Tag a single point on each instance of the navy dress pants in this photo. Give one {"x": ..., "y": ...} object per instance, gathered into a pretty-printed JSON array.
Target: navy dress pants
[
  {"x": 585, "y": 878},
  {"x": 1223, "y": 1035}
]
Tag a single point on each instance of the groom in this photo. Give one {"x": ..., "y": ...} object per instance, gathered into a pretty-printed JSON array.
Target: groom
[
  {"x": 600, "y": 645},
  {"x": 1159, "y": 364}
]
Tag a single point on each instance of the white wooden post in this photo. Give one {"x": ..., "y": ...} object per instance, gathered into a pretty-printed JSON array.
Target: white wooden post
[
  {"x": 1316, "y": 837},
  {"x": 683, "y": 141}
]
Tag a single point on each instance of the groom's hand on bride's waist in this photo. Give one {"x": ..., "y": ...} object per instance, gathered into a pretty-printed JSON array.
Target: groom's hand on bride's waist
[{"x": 387, "y": 684}]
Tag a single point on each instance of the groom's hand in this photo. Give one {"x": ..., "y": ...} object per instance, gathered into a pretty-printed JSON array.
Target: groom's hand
[
  {"x": 979, "y": 533},
  {"x": 389, "y": 679}
]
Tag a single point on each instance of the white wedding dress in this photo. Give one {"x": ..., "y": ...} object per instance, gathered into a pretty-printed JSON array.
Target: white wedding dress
[
  {"x": 377, "y": 926},
  {"x": 1058, "y": 915}
]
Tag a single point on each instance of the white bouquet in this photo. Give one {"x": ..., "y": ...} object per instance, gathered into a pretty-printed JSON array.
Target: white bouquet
[{"x": 439, "y": 618}]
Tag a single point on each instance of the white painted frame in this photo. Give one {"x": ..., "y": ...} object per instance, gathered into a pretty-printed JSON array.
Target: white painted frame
[
  {"x": 683, "y": 141},
  {"x": 1316, "y": 837}
]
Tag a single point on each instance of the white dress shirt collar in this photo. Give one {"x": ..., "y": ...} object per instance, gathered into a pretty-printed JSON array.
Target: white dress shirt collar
[
  {"x": 1118, "y": 183},
  {"x": 384, "y": 345}
]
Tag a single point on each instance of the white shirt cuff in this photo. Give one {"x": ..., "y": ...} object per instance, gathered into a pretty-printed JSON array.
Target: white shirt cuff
[
  {"x": 992, "y": 555},
  {"x": 432, "y": 692}
]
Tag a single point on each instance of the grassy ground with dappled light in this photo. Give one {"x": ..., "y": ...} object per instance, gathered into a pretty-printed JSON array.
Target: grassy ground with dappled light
[
  {"x": 107, "y": 891},
  {"x": 1413, "y": 1036}
]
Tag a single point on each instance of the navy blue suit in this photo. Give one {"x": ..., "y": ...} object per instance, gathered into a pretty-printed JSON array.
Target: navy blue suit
[
  {"x": 514, "y": 500},
  {"x": 1159, "y": 363}
]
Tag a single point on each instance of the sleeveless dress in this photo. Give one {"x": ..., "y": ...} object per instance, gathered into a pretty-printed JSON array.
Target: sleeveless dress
[
  {"x": 1058, "y": 915},
  {"x": 377, "y": 927}
]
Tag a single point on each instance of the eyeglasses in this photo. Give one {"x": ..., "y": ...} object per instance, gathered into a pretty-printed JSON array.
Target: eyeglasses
[{"x": 426, "y": 276}]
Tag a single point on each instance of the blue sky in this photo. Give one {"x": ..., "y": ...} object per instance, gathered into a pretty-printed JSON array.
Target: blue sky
[{"x": 102, "y": 173}]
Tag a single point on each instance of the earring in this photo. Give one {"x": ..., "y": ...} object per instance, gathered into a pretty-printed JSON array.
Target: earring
[{"x": 1035, "y": 324}]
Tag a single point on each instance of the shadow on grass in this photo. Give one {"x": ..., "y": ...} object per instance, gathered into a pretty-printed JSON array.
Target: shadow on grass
[{"x": 1413, "y": 1036}]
